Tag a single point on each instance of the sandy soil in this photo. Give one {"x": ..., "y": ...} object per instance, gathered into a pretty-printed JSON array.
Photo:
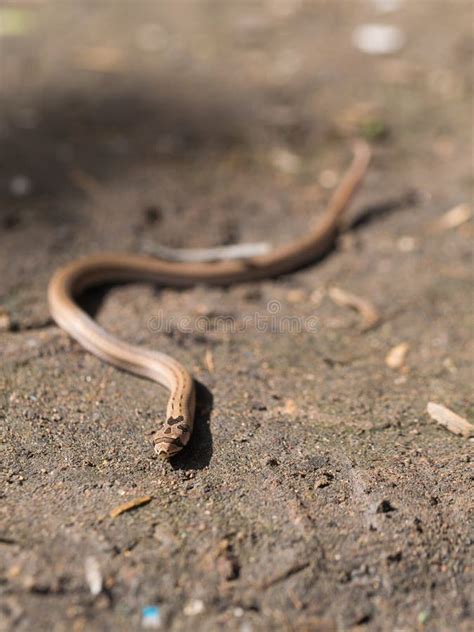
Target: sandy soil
[{"x": 316, "y": 493}]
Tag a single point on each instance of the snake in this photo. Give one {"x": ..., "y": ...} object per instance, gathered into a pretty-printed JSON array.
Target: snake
[{"x": 69, "y": 281}]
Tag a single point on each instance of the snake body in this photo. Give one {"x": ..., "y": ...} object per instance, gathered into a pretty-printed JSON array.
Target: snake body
[{"x": 69, "y": 281}]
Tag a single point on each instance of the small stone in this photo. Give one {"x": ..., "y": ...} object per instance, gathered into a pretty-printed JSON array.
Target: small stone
[
  {"x": 317, "y": 296},
  {"x": 378, "y": 39},
  {"x": 285, "y": 160},
  {"x": 296, "y": 296},
  {"x": 406, "y": 244},
  {"x": 386, "y": 6},
  {"x": 395, "y": 358},
  {"x": 194, "y": 607},
  {"x": 20, "y": 186},
  {"x": 327, "y": 179},
  {"x": 93, "y": 575}
]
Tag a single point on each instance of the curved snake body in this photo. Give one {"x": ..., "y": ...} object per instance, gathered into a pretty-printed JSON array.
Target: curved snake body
[{"x": 68, "y": 282}]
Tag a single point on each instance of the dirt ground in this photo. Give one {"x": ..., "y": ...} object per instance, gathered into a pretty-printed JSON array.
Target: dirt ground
[{"x": 316, "y": 493}]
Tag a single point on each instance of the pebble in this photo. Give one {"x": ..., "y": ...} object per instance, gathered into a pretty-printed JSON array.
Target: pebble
[
  {"x": 378, "y": 39},
  {"x": 285, "y": 160},
  {"x": 406, "y": 244},
  {"x": 93, "y": 575},
  {"x": 296, "y": 295},
  {"x": 20, "y": 185},
  {"x": 395, "y": 358},
  {"x": 328, "y": 179},
  {"x": 386, "y": 6},
  {"x": 194, "y": 607}
]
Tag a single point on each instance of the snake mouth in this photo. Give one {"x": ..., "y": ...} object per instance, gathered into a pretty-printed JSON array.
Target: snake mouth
[{"x": 166, "y": 447}]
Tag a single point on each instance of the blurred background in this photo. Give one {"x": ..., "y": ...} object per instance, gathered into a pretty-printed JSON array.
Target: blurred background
[
  {"x": 193, "y": 123},
  {"x": 202, "y": 123}
]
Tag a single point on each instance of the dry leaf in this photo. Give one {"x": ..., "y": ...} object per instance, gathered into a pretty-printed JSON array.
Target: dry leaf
[
  {"x": 453, "y": 422},
  {"x": 131, "y": 504},
  {"x": 370, "y": 316},
  {"x": 395, "y": 358}
]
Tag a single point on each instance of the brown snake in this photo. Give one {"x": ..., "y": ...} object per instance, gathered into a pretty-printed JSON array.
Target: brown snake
[{"x": 68, "y": 282}]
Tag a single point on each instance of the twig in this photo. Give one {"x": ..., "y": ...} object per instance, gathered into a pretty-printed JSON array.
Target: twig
[
  {"x": 370, "y": 316},
  {"x": 131, "y": 504},
  {"x": 452, "y": 422},
  {"x": 296, "y": 568}
]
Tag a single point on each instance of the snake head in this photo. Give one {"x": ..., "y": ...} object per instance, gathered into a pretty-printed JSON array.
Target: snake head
[
  {"x": 166, "y": 447},
  {"x": 172, "y": 437}
]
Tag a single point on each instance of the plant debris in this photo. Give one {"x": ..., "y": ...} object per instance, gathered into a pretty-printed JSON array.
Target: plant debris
[
  {"x": 370, "y": 316},
  {"x": 297, "y": 568},
  {"x": 453, "y": 218},
  {"x": 450, "y": 420},
  {"x": 131, "y": 504}
]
